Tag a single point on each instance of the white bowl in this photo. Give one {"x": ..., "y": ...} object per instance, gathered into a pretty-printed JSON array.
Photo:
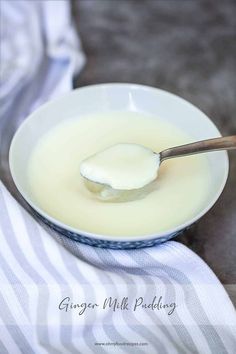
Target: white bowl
[{"x": 102, "y": 98}]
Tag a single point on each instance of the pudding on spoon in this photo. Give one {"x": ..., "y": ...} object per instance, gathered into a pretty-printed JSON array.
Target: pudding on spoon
[{"x": 122, "y": 172}]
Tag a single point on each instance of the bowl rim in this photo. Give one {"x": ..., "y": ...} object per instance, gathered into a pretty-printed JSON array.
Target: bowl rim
[{"x": 106, "y": 237}]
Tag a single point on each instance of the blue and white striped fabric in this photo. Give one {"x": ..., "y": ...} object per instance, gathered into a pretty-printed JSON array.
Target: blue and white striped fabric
[{"x": 55, "y": 293}]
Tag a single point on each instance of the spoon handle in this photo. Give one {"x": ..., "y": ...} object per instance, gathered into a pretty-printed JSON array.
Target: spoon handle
[{"x": 223, "y": 143}]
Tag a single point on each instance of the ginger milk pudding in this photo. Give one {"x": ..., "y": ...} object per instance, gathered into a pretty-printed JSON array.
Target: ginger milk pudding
[{"x": 58, "y": 188}]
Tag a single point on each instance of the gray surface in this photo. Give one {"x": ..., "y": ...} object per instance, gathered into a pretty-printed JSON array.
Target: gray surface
[{"x": 188, "y": 48}]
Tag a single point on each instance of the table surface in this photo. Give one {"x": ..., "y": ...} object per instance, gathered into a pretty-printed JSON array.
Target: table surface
[{"x": 187, "y": 48}]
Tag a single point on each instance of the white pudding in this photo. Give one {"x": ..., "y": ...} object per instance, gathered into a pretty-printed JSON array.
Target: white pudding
[{"x": 58, "y": 188}]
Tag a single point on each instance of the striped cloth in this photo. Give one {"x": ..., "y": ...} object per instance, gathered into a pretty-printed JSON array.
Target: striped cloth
[
  {"x": 40, "y": 274},
  {"x": 59, "y": 296}
]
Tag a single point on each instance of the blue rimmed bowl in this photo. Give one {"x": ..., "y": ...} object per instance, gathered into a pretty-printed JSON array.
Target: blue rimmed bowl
[{"x": 116, "y": 97}]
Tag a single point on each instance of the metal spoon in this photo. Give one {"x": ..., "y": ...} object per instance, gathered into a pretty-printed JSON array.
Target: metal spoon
[
  {"x": 223, "y": 143},
  {"x": 107, "y": 193}
]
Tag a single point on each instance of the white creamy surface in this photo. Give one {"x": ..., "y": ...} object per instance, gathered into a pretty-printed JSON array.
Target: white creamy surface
[
  {"x": 57, "y": 187},
  {"x": 122, "y": 166}
]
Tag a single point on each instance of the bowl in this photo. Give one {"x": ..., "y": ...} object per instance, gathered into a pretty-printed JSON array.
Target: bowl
[{"x": 114, "y": 97}]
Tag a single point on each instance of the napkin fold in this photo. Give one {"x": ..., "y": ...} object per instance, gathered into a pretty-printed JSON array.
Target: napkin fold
[{"x": 60, "y": 296}]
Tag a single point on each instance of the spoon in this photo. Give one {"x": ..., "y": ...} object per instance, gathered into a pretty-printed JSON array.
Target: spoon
[{"x": 126, "y": 192}]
